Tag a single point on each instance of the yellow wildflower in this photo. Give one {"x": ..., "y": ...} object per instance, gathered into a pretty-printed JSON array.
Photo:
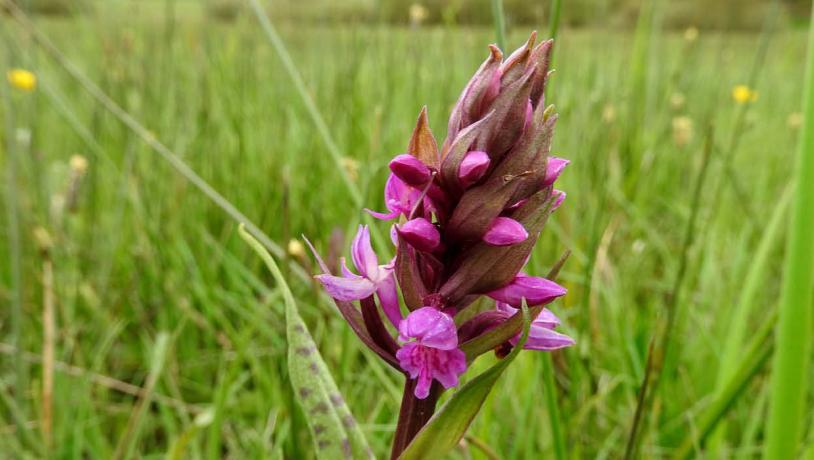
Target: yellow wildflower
[
  {"x": 691, "y": 34},
  {"x": 79, "y": 164},
  {"x": 795, "y": 120},
  {"x": 609, "y": 113},
  {"x": 682, "y": 130},
  {"x": 22, "y": 79},
  {"x": 743, "y": 94},
  {"x": 418, "y": 14},
  {"x": 296, "y": 249}
]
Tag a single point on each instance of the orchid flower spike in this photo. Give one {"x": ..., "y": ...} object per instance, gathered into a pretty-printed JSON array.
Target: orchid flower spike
[{"x": 467, "y": 216}]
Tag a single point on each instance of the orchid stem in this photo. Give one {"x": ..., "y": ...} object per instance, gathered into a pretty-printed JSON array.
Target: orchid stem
[{"x": 413, "y": 415}]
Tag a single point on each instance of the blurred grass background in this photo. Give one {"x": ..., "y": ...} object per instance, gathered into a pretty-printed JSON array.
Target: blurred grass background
[{"x": 137, "y": 251}]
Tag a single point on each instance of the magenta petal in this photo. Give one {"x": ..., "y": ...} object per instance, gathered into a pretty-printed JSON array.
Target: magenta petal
[
  {"x": 410, "y": 169},
  {"x": 346, "y": 271},
  {"x": 472, "y": 167},
  {"x": 400, "y": 197},
  {"x": 450, "y": 364},
  {"x": 363, "y": 256},
  {"x": 347, "y": 289},
  {"x": 389, "y": 299},
  {"x": 553, "y": 169},
  {"x": 430, "y": 327},
  {"x": 545, "y": 339},
  {"x": 424, "y": 364},
  {"x": 536, "y": 291},
  {"x": 505, "y": 231},
  {"x": 383, "y": 215},
  {"x": 547, "y": 319},
  {"x": 421, "y": 234},
  {"x": 559, "y": 197}
]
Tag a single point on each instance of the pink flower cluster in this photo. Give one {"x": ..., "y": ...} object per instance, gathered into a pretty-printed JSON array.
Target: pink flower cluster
[{"x": 468, "y": 215}]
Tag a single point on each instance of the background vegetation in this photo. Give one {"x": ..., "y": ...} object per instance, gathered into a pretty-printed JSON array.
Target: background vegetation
[{"x": 136, "y": 251}]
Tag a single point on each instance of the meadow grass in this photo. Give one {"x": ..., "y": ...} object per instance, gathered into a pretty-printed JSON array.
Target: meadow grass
[{"x": 154, "y": 287}]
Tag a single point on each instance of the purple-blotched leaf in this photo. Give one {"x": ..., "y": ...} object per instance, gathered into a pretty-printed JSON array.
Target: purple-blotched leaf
[{"x": 334, "y": 430}]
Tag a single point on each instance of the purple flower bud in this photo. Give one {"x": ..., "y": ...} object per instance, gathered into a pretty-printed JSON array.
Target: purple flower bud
[
  {"x": 559, "y": 198},
  {"x": 410, "y": 170},
  {"x": 536, "y": 291},
  {"x": 421, "y": 234},
  {"x": 505, "y": 231},
  {"x": 553, "y": 169},
  {"x": 472, "y": 167}
]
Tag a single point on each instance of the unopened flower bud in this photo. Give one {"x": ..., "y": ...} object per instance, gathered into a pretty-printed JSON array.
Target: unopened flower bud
[
  {"x": 421, "y": 234},
  {"x": 410, "y": 170},
  {"x": 559, "y": 198},
  {"x": 535, "y": 290},
  {"x": 505, "y": 231},
  {"x": 553, "y": 169},
  {"x": 473, "y": 166}
]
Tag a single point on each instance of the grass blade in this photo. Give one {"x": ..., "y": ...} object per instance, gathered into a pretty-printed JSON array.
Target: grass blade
[
  {"x": 754, "y": 359},
  {"x": 554, "y": 21},
  {"x": 145, "y": 135},
  {"x": 124, "y": 449},
  {"x": 15, "y": 252},
  {"x": 755, "y": 279},
  {"x": 333, "y": 428},
  {"x": 302, "y": 90},
  {"x": 791, "y": 360},
  {"x": 499, "y": 19},
  {"x": 554, "y": 417},
  {"x": 660, "y": 344}
]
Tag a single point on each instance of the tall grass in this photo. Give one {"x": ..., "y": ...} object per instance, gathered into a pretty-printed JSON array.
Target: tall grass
[
  {"x": 145, "y": 251},
  {"x": 792, "y": 358}
]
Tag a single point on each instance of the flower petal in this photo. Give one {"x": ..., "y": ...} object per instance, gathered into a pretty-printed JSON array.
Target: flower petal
[
  {"x": 472, "y": 167},
  {"x": 559, "y": 198},
  {"x": 346, "y": 271},
  {"x": 536, "y": 291},
  {"x": 425, "y": 364},
  {"x": 410, "y": 170},
  {"x": 346, "y": 289},
  {"x": 553, "y": 169},
  {"x": 545, "y": 339},
  {"x": 449, "y": 365},
  {"x": 430, "y": 327},
  {"x": 421, "y": 234},
  {"x": 383, "y": 215},
  {"x": 362, "y": 253},
  {"x": 389, "y": 299},
  {"x": 505, "y": 231}
]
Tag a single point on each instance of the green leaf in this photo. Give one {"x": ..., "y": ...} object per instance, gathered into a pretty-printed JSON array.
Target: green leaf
[
  {"x": 333, "y": 428},
  {"x": 497, "y": 335},
  {"x": 446, "y": 428}
]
